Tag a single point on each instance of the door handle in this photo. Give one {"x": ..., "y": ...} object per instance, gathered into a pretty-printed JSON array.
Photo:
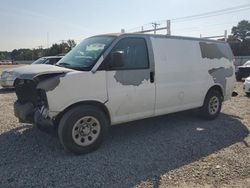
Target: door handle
[{"x": 152, "y": 77}]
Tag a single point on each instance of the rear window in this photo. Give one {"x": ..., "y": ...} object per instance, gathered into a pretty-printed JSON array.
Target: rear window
[{"x": 214, "y": 50}]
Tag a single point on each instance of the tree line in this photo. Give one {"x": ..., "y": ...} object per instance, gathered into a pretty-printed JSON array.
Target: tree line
[
  {"x": 33, "y": 54},
  {"x": 239, "y": 40}
]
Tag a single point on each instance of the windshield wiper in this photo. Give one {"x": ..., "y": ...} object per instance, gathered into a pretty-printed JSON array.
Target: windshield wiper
[
  {"x": 67, "y": 65},
  {"x": 63, "y": 64}
]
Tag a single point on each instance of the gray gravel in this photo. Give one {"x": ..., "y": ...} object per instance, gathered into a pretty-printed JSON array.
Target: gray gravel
[{"x": 173, "y": 150}]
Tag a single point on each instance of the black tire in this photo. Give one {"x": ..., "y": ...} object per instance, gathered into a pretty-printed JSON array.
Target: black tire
[
  {"x": 70, "y": 119},
  {"x": 209, "y": 110}
]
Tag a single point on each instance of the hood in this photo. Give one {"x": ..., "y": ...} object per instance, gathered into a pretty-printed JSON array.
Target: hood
[{"x": 32, "y": 71}]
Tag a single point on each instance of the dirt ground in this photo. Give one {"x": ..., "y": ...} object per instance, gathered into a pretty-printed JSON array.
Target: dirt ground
[{"x": 175, "y": 150}]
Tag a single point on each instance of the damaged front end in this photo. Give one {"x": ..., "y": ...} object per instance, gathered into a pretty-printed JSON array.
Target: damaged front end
[{"x": 32, "y": 105}]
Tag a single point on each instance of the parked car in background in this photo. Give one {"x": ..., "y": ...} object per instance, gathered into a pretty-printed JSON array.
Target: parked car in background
[
  {"x": 8, "y": 76},
  {"x": 246, "y": 86},
  {"x": 50, "y": 60},
  {"x": 243, "y": 71},
  {"x": 5, "y": 62}
]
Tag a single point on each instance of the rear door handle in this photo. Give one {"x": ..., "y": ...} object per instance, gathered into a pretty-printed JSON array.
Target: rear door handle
[{"x": 152, "y": 77}]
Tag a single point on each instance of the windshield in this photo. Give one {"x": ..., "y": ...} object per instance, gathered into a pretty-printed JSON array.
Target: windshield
[
  {"x": 84, "y": 55},
  {"x": 39, "y": 61}
]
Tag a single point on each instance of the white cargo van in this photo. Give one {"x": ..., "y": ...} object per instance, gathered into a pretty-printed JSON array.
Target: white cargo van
[{"x": 115, "y": 78}]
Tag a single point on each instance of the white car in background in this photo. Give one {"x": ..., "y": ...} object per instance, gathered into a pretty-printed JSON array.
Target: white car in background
[
  {"x": 8, "y": 76},
  {"x": 246, "y": 86}
]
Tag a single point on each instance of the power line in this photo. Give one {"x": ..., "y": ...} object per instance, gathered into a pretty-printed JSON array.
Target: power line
[
  {"x": 226, "y": 11},
  {"x": 212, "y": 15},
  {"x": 204, "y": 15}
]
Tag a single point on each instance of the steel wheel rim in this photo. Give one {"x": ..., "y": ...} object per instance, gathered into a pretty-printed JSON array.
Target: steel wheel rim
[
  {"x": 86, "y": 130},
  {"x": 213, "y": 105}
]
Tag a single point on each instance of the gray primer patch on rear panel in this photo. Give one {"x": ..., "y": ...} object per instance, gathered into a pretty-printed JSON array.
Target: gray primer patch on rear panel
[
  {"x": 213, "y": 50},
  {"x": 220, "y": 74},
  {"x": 132, "y": 77}
]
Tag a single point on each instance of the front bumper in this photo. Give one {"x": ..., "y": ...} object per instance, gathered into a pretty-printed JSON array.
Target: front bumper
[
  {"x": 7, "y": 83},
  {"x": 24, "y": 112},
  {"x": 27, "y": 113}
]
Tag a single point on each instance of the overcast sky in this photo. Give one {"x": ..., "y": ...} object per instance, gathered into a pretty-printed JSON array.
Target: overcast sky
[{"x": 31, "y": 23}]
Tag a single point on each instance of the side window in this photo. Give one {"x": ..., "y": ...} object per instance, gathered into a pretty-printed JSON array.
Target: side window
[
  {"x": 51, "y": 61},
  {"x": 135, "y": 54},
  {"x": 56, "y": 60},
  {"x": 47, "y": 61}
]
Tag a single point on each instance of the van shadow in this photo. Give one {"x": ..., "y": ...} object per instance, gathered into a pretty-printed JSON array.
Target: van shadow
[{"x": 133, "y": 152}]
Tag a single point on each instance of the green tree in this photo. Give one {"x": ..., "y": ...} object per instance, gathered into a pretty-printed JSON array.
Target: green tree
[
  {"x": 2, "y": 57},
  {"x": 33, "y": 54},
  {"x": 71, "y": 44},
  {"x": 240, "y": 39},
  {"x": 14, "y": 54},
  {"x": 242, "y": 30}
]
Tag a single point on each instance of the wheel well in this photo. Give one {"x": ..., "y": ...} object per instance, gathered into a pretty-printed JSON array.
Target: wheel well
[
  {"x": 216, "y": 88},
  {"x": 100, "y": 105}
]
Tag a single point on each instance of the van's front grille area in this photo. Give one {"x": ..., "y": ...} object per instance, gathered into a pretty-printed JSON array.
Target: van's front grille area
[{"x": 27, "y": 92}]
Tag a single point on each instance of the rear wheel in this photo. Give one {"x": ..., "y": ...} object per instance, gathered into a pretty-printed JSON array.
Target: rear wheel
[
  {"x": 212, "y": 105},
  {"x": 82, "y": 129}
]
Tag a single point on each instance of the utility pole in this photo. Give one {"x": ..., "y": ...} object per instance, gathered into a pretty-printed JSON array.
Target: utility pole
[
  {"x": 225, "y": 35},
  {"x": 47, "y": 39},
  {"x": 155, "y": 25},
  {"x": 156, "y": 28},
  {"x": 40, "y": 52},
  {"x": 62, "y": 41},
  {"x": 62, "y": 49},
  {"x": 168, "y": 27}
]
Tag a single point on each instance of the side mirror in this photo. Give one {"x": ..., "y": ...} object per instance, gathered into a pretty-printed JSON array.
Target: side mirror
[{"x": 117, "y": 59}]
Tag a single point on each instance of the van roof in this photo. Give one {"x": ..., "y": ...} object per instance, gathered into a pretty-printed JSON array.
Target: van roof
[{"x": 162, "y": 36}]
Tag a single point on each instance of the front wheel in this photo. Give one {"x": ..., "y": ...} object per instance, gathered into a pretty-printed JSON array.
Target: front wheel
[
  {"x": 82, "y": 129},
  {"x": 212, "y": 105}
]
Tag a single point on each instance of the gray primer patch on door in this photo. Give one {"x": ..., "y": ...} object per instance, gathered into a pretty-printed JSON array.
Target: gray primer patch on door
[
  {"x": 220, "y": 74},
  {"x": 214, "y": 50},
  {"x": 132, "y": 77}
]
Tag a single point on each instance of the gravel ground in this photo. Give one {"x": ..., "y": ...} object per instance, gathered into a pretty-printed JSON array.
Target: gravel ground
[{"x": 176, "y": 150}]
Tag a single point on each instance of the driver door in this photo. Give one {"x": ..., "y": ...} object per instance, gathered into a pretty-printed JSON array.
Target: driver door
[{"x": 131, "y": 86}]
